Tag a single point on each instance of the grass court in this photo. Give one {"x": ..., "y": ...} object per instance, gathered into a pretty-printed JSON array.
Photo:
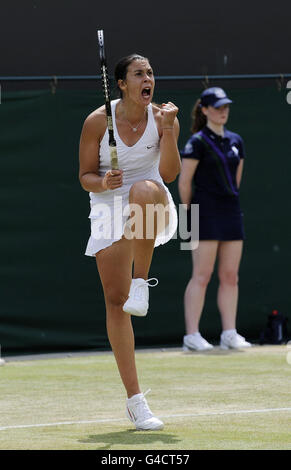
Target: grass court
[{"x": 217, "y": 400}]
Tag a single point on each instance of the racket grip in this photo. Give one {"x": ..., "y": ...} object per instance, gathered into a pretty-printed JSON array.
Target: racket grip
[{"x": 113, "y": 157}]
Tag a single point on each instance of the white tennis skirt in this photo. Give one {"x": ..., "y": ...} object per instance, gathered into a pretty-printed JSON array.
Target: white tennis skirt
[{"x": 109, "y": 216}]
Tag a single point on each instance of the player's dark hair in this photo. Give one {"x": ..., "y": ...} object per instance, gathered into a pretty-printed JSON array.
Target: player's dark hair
[
  {"x": 199, "y": 119},
  {"x": 122, "y": 67}
]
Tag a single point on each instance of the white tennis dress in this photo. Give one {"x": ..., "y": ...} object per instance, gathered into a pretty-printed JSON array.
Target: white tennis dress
[{"x": 109, "y": 209}]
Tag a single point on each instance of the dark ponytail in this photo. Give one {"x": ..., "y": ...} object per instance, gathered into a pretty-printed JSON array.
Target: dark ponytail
[
  {"x": 199, "y": 119},
  {"x": 122, "y": 66}
]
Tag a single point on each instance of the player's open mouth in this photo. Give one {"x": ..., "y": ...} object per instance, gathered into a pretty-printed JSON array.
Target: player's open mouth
[{"x": 146, "y": 92}]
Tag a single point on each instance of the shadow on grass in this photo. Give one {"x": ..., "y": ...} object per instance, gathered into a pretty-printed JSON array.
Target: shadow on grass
[
  {"x": 216, "y": 352},
  {"x": 129, "y": 437}
]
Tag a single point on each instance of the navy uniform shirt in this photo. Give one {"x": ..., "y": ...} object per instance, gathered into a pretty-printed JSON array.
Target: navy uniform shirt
[{"x": 215, "y": 176}]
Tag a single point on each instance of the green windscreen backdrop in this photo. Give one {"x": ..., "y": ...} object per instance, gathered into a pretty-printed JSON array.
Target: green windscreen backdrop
[{"x": 50, "y": 293}]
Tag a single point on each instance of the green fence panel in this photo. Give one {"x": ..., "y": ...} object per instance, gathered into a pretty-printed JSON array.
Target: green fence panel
[{"x": 51, "y": 295}]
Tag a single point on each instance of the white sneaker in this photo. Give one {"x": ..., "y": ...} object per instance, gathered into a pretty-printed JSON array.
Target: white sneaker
[
  {"x": 137, "y": 410},
  {"x": 232, "y": 340},
  {"x": 138, "y": 297},
  {"x": 196, "y": 342}
]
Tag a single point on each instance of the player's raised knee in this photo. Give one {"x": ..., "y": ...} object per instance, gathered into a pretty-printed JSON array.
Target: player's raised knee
[
  {"x": 143, "y": 192},
  {"x": 147, "y": 192}
]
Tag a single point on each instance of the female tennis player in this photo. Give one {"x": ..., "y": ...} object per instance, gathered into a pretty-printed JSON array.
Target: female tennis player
[
  {"x": 123, "y": 236},
  {"x": 213, "y": 161}
]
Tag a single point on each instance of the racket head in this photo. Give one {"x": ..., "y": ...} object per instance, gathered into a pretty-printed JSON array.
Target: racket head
[
  {"x": 104, "y": 72},
  {"x": 106, "y": 91},
  {"x": 100, "y": 36}
]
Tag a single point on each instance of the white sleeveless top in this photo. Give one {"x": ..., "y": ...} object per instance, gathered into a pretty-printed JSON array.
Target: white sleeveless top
[{"x": 109, "y": 211}]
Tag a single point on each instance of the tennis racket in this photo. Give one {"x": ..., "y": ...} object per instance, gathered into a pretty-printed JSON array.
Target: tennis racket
[{"x": 106, "y": 90}]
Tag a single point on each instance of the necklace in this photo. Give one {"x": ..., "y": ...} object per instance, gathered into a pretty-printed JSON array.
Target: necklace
[{"x": 135, "y": 128}]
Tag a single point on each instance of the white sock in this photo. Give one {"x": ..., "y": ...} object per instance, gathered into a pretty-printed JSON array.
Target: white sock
[
  {"x": 228, "y": 332},
  {"x": 193, "y": 334}
]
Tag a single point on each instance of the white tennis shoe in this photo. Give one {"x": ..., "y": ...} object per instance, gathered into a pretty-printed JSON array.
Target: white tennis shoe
[
  {"x": 232, "y": 340},
  {"x": 139, "y": 413},
  {"x": 138, "y": 298},
  {"x": 196, "y": 342}
]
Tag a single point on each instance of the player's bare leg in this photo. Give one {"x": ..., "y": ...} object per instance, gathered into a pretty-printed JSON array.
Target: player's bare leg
[{"x": 115, "y": 262}]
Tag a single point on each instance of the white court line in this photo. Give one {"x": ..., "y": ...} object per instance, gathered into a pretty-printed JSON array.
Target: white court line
[{"x": 115, "y": 420}]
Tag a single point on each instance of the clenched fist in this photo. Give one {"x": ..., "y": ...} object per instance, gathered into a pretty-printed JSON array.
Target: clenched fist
[{"x": 168, "y": 112}]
